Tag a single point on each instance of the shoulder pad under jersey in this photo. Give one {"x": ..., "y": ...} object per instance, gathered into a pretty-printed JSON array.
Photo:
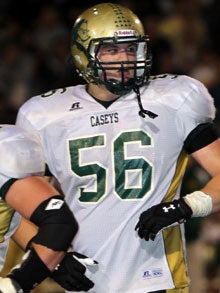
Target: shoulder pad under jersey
[
  {"x": 21, "y": 155},
  {"x": 184, "y": 93}
]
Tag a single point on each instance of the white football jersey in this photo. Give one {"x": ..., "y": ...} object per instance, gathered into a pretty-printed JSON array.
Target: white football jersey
[
  {"x": 112, "y": 165},
  {"x": 21, "y": 156}
]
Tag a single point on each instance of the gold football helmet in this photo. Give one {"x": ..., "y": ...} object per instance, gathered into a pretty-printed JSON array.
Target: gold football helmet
[{"x": 109, "y": 23}]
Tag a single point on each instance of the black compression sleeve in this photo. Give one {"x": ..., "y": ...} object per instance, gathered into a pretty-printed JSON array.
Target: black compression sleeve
[
  {"x": 200, "y": 137},
  {"x": 5, "y": 187}
]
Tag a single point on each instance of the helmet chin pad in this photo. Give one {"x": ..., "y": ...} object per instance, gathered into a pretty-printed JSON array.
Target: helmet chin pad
[{"x": 119, "y": 88}]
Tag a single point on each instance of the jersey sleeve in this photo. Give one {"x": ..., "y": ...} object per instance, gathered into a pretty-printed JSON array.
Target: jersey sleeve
[
  {"x": 197, "y": 107},
  {"x": 21, "y": 154},
  {"x": 26, "y": 113}
]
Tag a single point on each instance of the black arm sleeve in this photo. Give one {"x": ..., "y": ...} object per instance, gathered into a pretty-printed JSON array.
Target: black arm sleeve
[
  {"x": 47, "y": 171},
  {"x": 201, "y": 136},
  {"x": 5, "y": 187}
]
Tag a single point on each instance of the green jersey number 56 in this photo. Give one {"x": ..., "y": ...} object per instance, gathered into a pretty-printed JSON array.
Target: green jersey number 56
[{"x": 132, "y": 173}]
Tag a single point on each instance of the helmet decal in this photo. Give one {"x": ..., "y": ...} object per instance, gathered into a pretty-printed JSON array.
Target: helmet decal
[
  {"x": 81, "y": 35},
  {"x": 81, "y": 31}
]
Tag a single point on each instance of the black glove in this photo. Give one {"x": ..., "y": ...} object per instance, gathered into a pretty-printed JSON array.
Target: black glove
[
  {"x": 160, "y": 216},
  {"x": 29, "y": 273},
  {"x": 70, "y": 273}
]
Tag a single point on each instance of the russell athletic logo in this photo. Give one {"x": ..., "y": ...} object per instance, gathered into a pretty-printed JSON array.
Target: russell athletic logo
[
  {"x": 149, "y": 274},
  {"x": 75, "y": 106}
]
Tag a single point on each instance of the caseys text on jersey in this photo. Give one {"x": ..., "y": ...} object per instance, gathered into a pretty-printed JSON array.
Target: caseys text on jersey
[{"x": 102, "y": 119}]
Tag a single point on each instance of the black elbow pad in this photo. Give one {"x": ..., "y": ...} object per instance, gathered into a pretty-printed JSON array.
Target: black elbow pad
[{"x": 57, "y": 224}]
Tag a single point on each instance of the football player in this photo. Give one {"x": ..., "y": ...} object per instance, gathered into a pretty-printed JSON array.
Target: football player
[
  {"x": 22, "y": 188},
  {"x": 119, "y": 145}
]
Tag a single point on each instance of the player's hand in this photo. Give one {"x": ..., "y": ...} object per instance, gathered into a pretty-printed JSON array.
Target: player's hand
[
  {"x": 161, "y": 216},
  {"x": 70, "y": 273},
  {"x": 8, "y": 285}
]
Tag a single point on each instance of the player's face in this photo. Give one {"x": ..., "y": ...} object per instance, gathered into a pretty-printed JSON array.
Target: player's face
[{"x": 126, "y": 52}]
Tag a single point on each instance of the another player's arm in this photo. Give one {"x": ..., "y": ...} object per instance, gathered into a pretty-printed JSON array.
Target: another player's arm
[
  {"x": 25, "y": 231},
  {"x": 38, "y": 201},
  {"x": 70, "y": 273},
  {"x": 27, "y": 196}
]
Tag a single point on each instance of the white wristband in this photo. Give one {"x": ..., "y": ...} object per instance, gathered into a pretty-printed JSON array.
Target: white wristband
[{"x": 200, "y": 203}]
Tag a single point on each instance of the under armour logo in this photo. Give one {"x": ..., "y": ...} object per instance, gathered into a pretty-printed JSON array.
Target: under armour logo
[
  {"x": 75, "y": 106},
  {"x": 166, "y": 209}
]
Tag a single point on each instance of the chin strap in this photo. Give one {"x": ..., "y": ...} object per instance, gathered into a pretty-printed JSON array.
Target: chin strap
[{"x": 142, "y": 111}]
